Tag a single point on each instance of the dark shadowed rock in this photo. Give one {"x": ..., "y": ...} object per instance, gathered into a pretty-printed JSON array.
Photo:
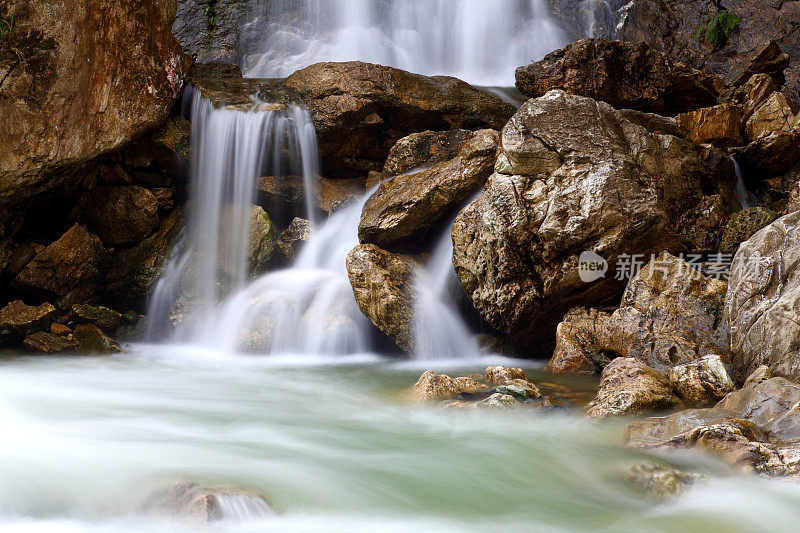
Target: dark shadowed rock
[
  {"x": 102, "y": 317},
  {"x": 360, "y": 110},
  {"x": 49, "y": 343},
  {"x": 119, "y": 215},
  {"x": 407, "y": 207}
]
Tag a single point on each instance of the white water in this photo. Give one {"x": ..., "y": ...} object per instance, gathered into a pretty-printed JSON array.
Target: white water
[
  {"x": 480, "y": 41},
  {"x": 746, "y": 198}
]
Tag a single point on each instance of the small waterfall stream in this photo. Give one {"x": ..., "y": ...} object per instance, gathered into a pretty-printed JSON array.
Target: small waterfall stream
[{"x": 480, "y": 41}]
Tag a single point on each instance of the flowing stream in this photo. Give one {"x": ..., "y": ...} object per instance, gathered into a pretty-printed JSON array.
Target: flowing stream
[{"x": 480, "y": 41}]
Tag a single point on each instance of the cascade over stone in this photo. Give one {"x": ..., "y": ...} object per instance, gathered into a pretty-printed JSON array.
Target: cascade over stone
[
  {"x": 360, "y": 110},
  {"x": 574, "y": 175}
]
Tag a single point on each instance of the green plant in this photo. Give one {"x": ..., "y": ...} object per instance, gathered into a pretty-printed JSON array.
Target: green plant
[
  {"x": 8, "y": 37},
  {"x": 717, "y": 29},
  {"x": 211, "y": 14}
]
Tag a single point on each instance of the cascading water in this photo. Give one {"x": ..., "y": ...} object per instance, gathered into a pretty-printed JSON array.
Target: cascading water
[
  {"x": 230, "y": 150},
  {"x": 480, "y": 41}
]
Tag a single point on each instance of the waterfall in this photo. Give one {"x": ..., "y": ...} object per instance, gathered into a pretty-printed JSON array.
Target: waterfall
[
  {"x": 746, "y": 198},
  {"x": 480, "y": 41},
  {"x": 231, "y": 149}
]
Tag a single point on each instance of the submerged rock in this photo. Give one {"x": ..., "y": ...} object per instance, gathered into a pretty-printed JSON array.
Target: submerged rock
[
  {"x": 575, "y": 175},
  {"x": 94, "y": 341},
  {"x": 761, "y": 303},
  {"x": 629, "y": 387},
  {"x": 383, "y": 286},
  {"x": 661, "y": 482},
  {"x": 204, "y": 504},
  {"x": 360, "y": 110},
  {"x": 407, "y": 207}
]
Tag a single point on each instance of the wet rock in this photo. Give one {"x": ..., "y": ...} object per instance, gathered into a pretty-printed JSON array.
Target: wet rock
[
  {"x": 626, "y": 75},
  {"x": 405, "y": 208},
  {"x": 383, "y": 286},
  {"x": 94, "y": 341},
  {"x": 361, "y": 110},
  {"x": 657, "y": 431},
  {"x": 702, "y": 224},
  {"x": 767, "y": 59},
  {"x": 288, "y": 193},
  {"x": 133, "y": 271},
  {"x": 293, "y": 238},
  {"x": 744, "y": 225},
  {"x": 49, "y": 343},
  {"x": 574, "y": 175},
  {"x": 173, "y": 141},
  {"x": 204, "y": 504},
  {"x": 18, "y": 318},
  {"x": 703, "y": 382},
  {"x": 582, "y": 343},
  {"x": 629, "y": 387},
  {"x": 20, "y": 257},
  {"x": 776, "y": 113},
  {"x": 119, "y": 215},
  {"x": 771, "y": 155},
  {"x": 164, "y": 199},
  {"x": 422, "y": 150},
  {"x": 499, "y": 401},
  {"x": 720, "y": 125},
  {"x": 102, "y": 317},
  {"x": 661, "y": 482},
  {"x": 500, "y": 375},
  {"x": 79, "y": 93},
  {"x": 261, "y": 243},
  {"x": 433, "y": 386},
  {"x": 760, "y": 307},
  {"x": 522, "y": 389},
  {"x": 70, "y": 269},
  {"x": 60, "y": 329}
]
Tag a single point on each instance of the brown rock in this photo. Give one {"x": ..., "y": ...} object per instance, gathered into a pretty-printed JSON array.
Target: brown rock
[
  {"x": 22, "y": 319},
  {"x": 71, "y": 268},
  {"x": 500, "y": 375},
  {"x": 361, "y": 110},
  {"x": 771, "y": 155},
  {"x": 94, "y": 341},
  {"x": 582, "y": 343},
  {"x": 44, "y": 342},
  {"x": 164, "y": 199},
  {"x": 719, "y": 125},
  {"x": 762, "y": 403},
  {"x": 433, "y": 386},
  {"x": 624, "y": 74},
  {"x": 767, "y": 59},
  {"x": 102, "y": 317},
  {"x": 60, "y": 329},
  {"x": 405, "y": 208},
  {"x": 517, "y": 245},
  {"x": 629, "y": 387},
  {"x": 133, "y": 271},
  {"x": 288, "y": 193},
  {"x": 702, "y": 382},
  {"x": 744, "y": 225},
  {"x": 420, "y": 151},
  {"x": 80, "y": 93},
  {"x": 383, "y": 286},
  {"x": 20, "y": 257},
  {"x": 119, "y": 215},
  {"x": 293, "y": 238},
  {"x": 776, "y": 113},
  {"x": 760, "y": 307}
]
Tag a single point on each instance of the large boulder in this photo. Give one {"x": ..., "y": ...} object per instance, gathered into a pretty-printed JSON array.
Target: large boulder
[
  {"x": 407, "y": 207},
  {"x": 625, "y": 75},
  {"x": 575, "y": 175},
  {"x": 720, "y": 125},
  {"x": 360, "y": 110},
  {"x": 73, "y": 92},
  {"x": 71, "y": 269},
  {"x": 119, "y": 215},
  {"x": 422, "y": 150},
  {"x": 670, "y": 314},
  {"x": 134, "y": 270},
  {"x": 19, "y": 319},
  {"x": 629, "y": 387},
  {"x": 761, "y": 304},
  {"x": 776, "y": 113},
  {"x": 383, "y": 286},
  {"x": 670, "y": 26}
]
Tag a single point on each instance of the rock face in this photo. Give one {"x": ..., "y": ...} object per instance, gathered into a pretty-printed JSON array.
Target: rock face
[
  {"x": 776, "y": 113},
  {"x": 720, "y": 125},
  {"x": 669, "y": 26},
  {"x": 360, "y": 110},
  {"x": 761, "y": 304},
  {"x": 407, "y": 207},
  {"x": 79, "y": 92},
  {"x": 383, "y": 285},
  {"x": 133, "y": 271},
  {"x": 625, "y": 75},
  {"x": 771, "y": 155},
  {"x": 119, "y": 215},
  {"x": 71, "y": 269},
  {"x": 574, "y": 175},
  {"x": 630, "y": 387},
  {"x": 670, "y": 314}
]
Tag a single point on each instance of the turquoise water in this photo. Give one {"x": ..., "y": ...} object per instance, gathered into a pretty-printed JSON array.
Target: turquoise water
[{"x": 333, "y": 445}]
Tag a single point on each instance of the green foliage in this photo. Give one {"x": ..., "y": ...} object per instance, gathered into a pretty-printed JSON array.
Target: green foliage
[
  {"x": 9, "y": 37},
  {"x": 211, "y": 14},
  {"x": 717, "y": 29},
  {"x": 7, "y": 29}
]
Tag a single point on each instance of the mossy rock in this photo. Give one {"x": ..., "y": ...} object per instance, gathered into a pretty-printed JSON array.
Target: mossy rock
[
  {"x": 744, "y": 225},
  {"x": 102, "y": 317}
]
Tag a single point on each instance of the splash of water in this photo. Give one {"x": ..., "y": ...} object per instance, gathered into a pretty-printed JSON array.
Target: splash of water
[{"x": 480, "y": 41}]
